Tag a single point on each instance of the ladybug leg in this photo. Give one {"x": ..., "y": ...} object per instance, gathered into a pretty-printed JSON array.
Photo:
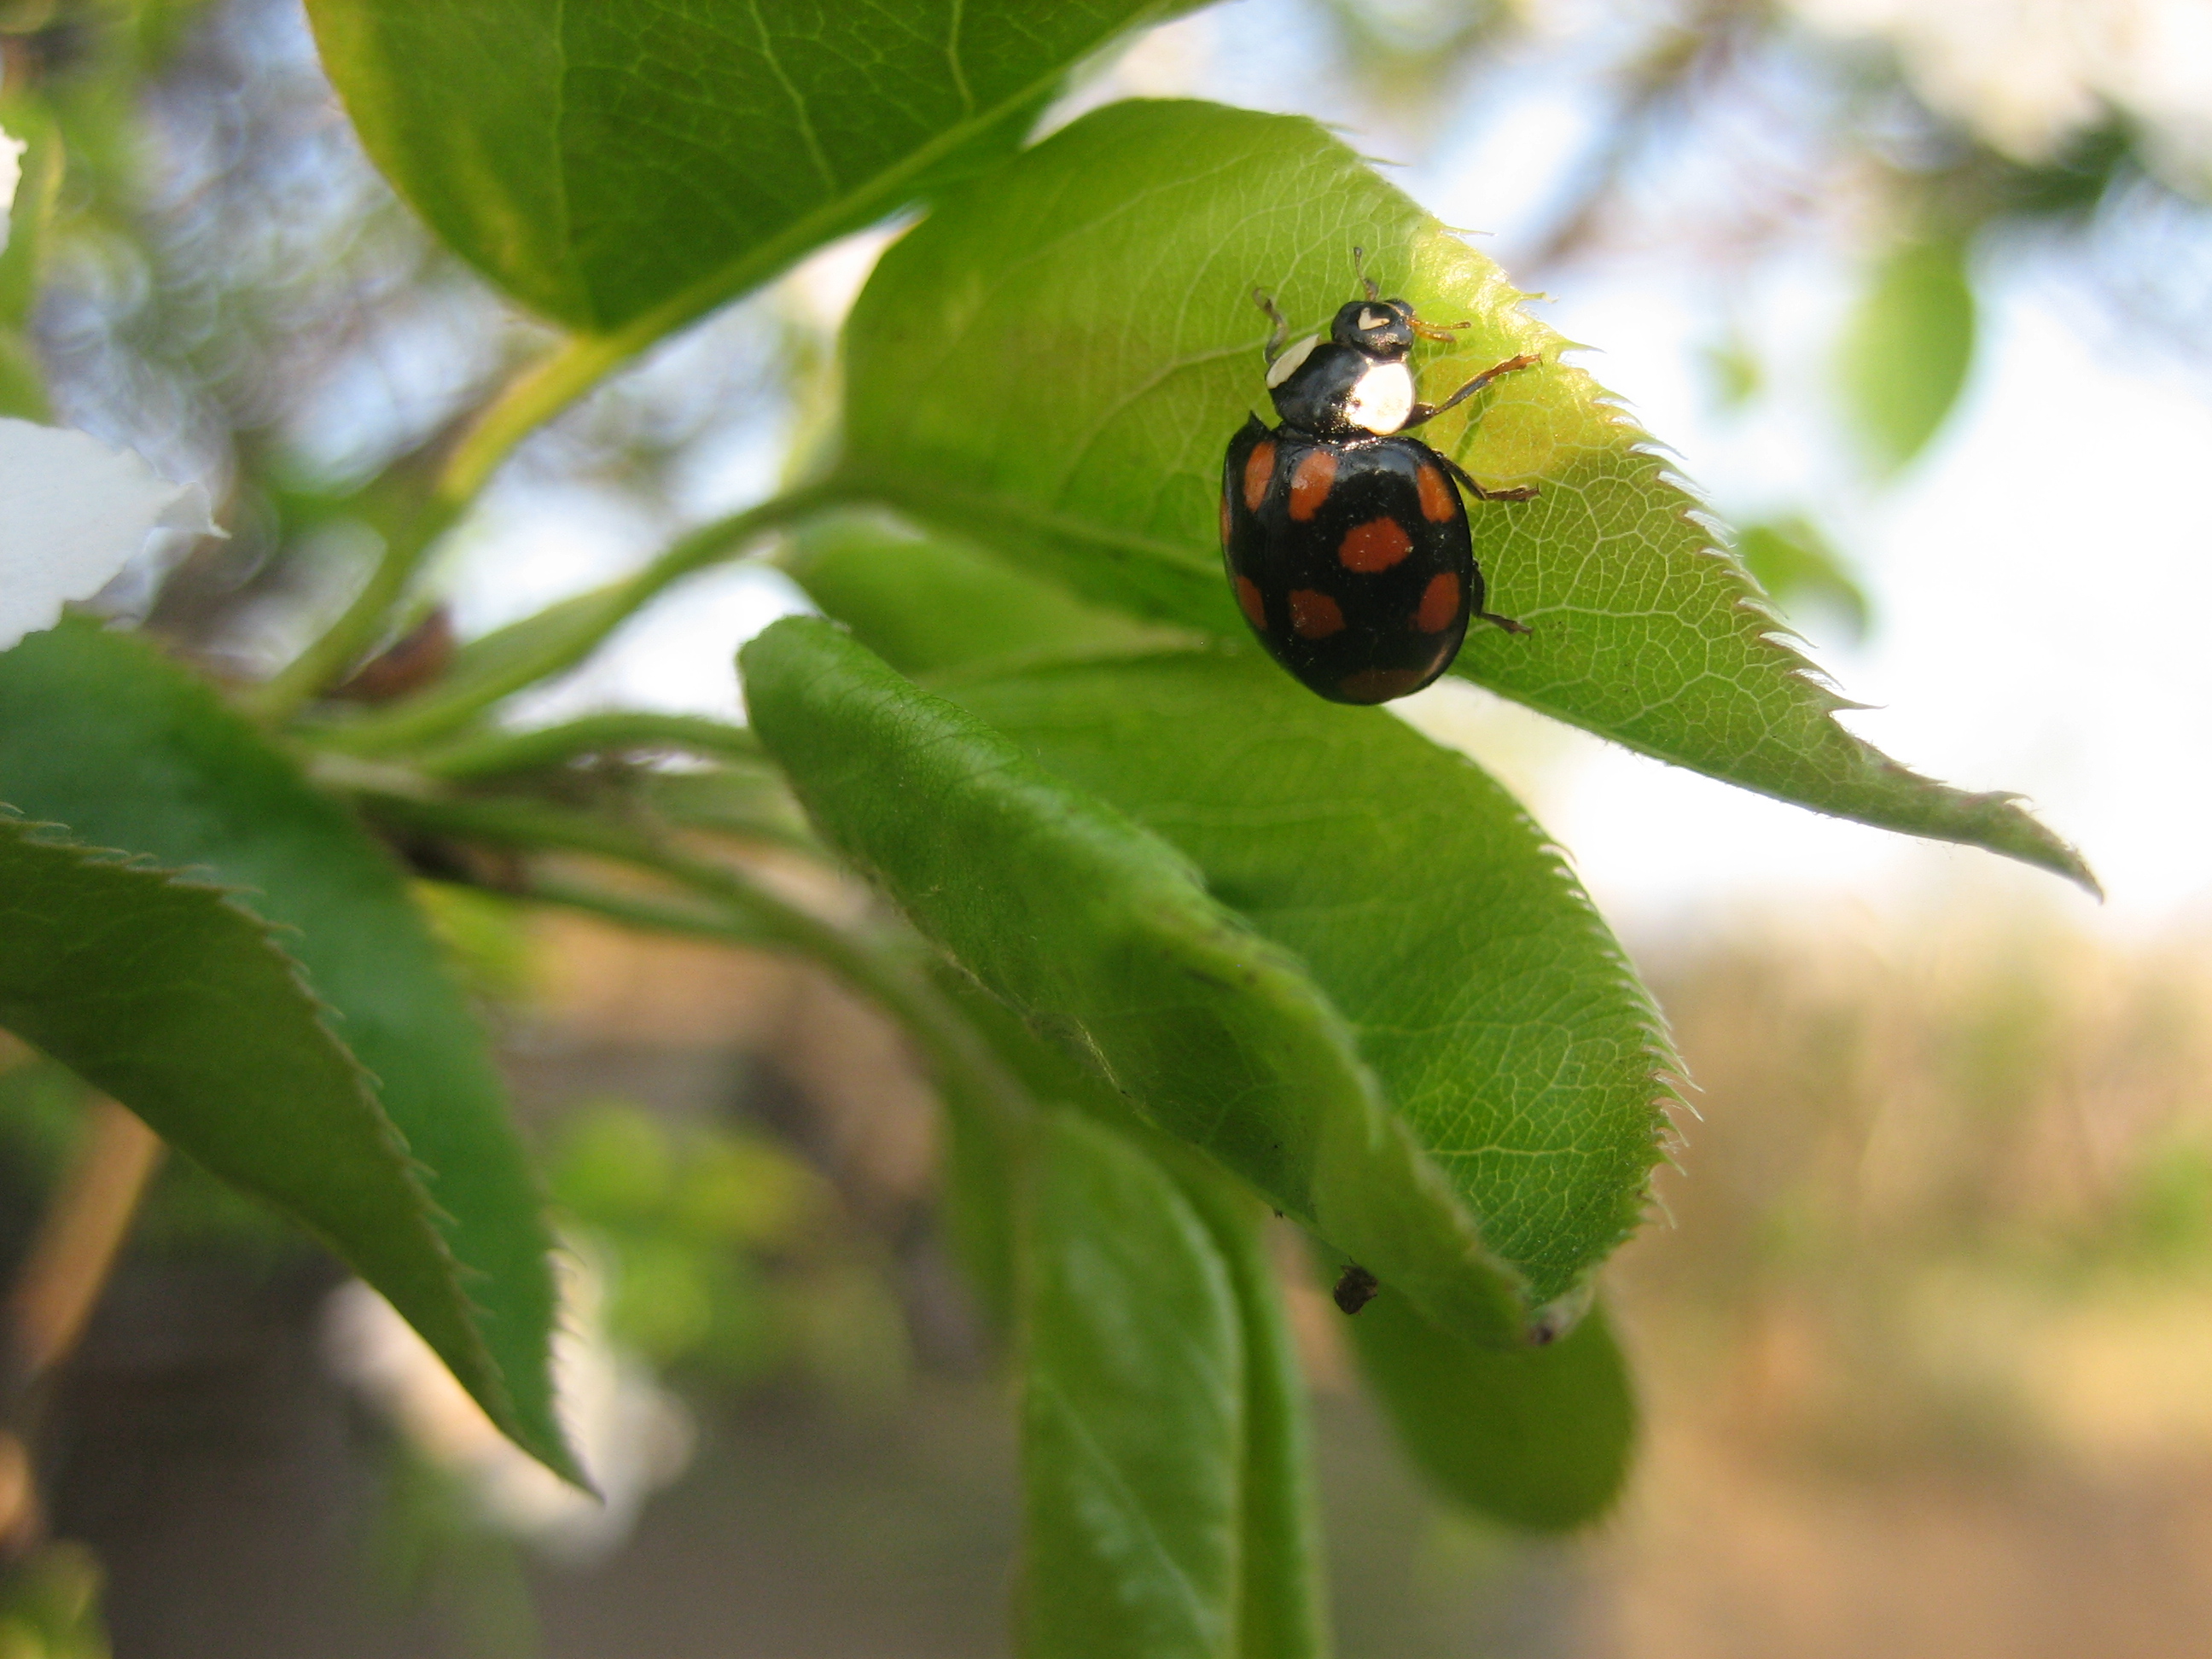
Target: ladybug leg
[
  {"x": 1518, "y": 493},
  {"x": 1505, "y": 623},
  {"x": 1429, "y": 411},
  {"x": 1359, "y": 266},
  {"x": 1282, "y": 331}
]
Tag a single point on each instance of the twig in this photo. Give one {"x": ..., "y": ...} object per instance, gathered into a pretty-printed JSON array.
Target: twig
[{"x": 60, "y": 1282}]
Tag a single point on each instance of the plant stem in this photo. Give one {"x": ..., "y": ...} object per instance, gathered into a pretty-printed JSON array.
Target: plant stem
[
  {"x": 80, "y": 1235},
  {"x": 59, "y": 1283},
  {"x": 502, "y": 754},
  {"x": 327, "y": 657},
  {"x": 563, "y": 635},
  {"x": 740, "y": 912}
]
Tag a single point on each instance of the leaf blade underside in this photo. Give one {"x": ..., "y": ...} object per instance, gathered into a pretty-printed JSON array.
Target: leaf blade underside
[{"x": 99, "y": 734}]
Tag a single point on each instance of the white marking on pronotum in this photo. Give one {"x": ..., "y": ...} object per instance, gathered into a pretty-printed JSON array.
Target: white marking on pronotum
[
  {"x": 1287, "y": 365},
  {"x": 1370, "y": 320},
  {"x": 1382, "y": 399}
]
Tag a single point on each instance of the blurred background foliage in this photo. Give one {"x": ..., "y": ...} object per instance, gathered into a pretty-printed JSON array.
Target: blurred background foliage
[{"x": 1928, "y": 1342}]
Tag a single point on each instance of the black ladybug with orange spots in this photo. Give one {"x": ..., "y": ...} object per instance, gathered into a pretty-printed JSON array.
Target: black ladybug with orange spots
[{"x": 1346, "y": 542}]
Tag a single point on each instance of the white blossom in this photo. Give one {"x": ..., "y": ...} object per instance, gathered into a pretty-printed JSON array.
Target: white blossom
[
  {"x": 72, "y": 514},
  {"x": 630, "y": 1435}
]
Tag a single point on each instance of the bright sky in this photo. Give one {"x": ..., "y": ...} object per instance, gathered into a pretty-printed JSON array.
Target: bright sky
[{"x": 2040, "y": 578}]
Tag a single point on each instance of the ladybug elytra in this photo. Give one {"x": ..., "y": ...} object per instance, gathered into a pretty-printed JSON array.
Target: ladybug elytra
[{"x": 1345, "y": 541}]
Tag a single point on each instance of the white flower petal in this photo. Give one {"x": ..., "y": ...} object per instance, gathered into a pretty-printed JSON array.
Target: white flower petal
[
  {"x": 73, "y": 512},
  {"x": 11, "y": 169}
]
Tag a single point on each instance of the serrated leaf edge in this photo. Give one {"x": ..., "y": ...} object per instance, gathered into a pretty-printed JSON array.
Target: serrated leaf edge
[{"x": 328, "y": 1019}]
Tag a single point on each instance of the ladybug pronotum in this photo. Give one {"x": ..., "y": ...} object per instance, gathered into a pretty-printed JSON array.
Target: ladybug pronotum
[{"x": 1345, "y": 541}]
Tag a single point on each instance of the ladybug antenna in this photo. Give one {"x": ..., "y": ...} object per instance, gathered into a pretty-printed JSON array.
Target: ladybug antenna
[
  {"x": 1282, "y": 330},
  {"x": 1437, "y": 330},
  {"x": 1359, "y": 266}
]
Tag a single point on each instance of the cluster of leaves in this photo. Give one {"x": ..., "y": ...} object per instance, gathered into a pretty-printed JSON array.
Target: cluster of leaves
[{"x": 1177, "y": 944}]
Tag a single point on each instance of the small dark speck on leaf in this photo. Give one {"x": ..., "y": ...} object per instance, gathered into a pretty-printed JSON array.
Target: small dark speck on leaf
[{"x": 1355, "y": 1288}]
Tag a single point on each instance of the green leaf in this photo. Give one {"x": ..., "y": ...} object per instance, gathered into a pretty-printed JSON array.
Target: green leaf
[
  {"x": 1053, "y": 362},
  {"x": 1905, "y": 354},
  {"x": 1103, "y": 937},
  {"x": 1479, "y": 983},
  {"x": 1281, "y": 1609},
  {"x": 1537, "y": 1438},
  {"x": 170, "y": 995},
  {"x": 1133, "y": 1429},
  {"x": 1504, "y": 1024},
  {"x": 99, "y": 734},
  {"x": 928, "y": 606},
  {"x": 1281, "y": 1613},
  {"x": 604, "y": 161}
]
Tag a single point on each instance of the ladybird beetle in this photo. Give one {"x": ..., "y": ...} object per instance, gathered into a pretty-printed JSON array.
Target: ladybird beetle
[{"x": 1345, "y": 540}]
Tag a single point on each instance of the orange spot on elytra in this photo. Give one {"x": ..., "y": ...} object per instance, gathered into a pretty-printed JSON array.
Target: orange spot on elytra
[
  {"x": 1378, "y": 684},
  {"x": 1309, "y": 484},
  {"x": 1249, "y": 602},
  {"x": 1226, "y": 521},
  {"x": 1439, "y": 604},
  {"x": 1314, "y": 615},
  {"x": 1258, "y": 467},
  {"x": 1437, "y": 500},
  {"x": 1376, "y": 545}
]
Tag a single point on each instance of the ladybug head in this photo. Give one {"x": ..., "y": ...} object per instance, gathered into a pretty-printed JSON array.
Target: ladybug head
[{"x": 1382, "y": 328}]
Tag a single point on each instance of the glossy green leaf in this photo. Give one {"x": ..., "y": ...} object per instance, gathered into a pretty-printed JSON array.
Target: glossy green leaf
[
  {"x": 1104, "y": 937},
  {"x": 1905, "y": 355},
  {"x": 1053, "y": 362},
  {"x": 1537, "y": 1438},
  {"x": 1479, "y": 983},
  {"x": 173, "y": 997},
  {"x": 1132, "y": 1419},
  {"x": 99, "y": 734},
  {"x": 600, "y": 161}
]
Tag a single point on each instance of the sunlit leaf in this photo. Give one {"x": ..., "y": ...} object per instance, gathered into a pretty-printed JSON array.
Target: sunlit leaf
[
  {"x": 99, "y": 734},
  {"x": 1053, "y": 362},
  {"x": 170, "y": 995},
  {"x": 598, "y": 161}
]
